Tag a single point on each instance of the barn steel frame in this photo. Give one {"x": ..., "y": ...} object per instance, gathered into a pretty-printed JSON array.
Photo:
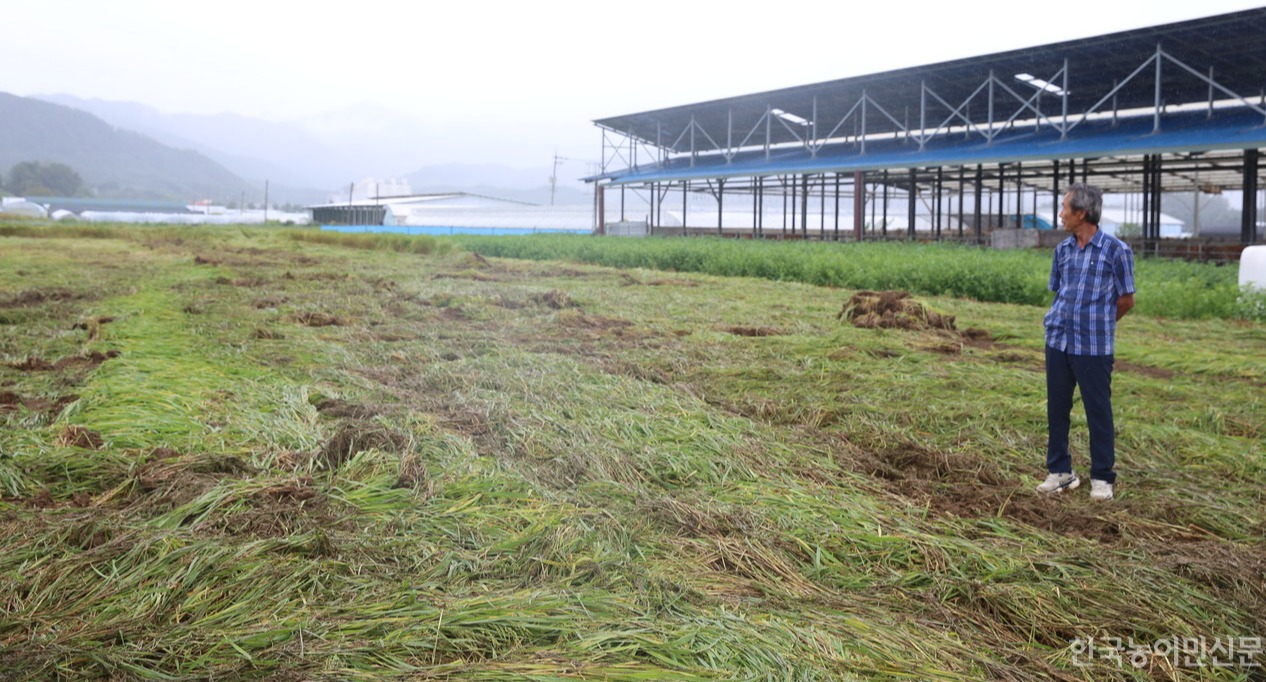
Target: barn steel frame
[{"x": 1176, "y": 107}]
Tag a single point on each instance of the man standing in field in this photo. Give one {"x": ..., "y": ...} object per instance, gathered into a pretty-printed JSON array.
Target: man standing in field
[{"x": 1092, "y": 275}]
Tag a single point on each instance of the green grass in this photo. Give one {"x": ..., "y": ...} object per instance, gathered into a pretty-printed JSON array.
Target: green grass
[{"x": 364, "y": 459}]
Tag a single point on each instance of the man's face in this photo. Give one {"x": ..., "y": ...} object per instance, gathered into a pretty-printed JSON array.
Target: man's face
[{"x": 1072, "y": 219}]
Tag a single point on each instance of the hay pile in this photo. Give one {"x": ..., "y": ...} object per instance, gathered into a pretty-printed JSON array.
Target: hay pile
[{"x": 892, "y": 310}]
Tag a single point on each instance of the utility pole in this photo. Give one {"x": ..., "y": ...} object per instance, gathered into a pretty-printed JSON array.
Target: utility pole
[{"x": 553, "y": 178}]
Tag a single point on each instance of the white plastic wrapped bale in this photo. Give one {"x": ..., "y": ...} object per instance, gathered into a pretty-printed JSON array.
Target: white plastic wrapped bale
[{"x": 1253, "y": 268}]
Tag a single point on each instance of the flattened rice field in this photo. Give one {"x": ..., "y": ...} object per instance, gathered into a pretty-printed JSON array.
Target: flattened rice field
[{"x": 234, "y": 453}]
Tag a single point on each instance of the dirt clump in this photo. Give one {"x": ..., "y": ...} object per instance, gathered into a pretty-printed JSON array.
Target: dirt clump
[
  {"x": 754, "y": 331},
  {"x": 555, "y": 299},
  {"x": 628, "y": 280},
  {"x": 89, "y": 360},
  {"x": 93, "y": 326},
  {"x": 33, "y": 297},
  {"x": 467, "y": 274},
  {"x": 579, "y": 320},
  {"x": 357, "y": 436},
  {"x": 80, "y": 437},
  {"x": 312, "y": 318},
  {"x": 335, "y": 407},
  {"x": 32, "y": 364},
  {"x": 268, "y": 302},
  {"x": 412, "y": 473},
  {"x": 41, "y": 500},
  {"x": 11, "y": 402},
  {"x": 892, "y": 310}
]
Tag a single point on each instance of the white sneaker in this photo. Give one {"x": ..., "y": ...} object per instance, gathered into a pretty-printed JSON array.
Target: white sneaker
[
  {"x": 1058, "y": 483},
  {"x": 1100, "y": 490}
]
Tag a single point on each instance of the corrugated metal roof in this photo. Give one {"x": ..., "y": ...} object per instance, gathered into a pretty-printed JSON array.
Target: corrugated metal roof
[
  {"x": 1192, "y": 131},
  {"x": 1230, "y": 47}
]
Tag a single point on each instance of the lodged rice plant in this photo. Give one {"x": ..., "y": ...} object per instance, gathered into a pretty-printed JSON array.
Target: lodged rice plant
[{"x": 230, "y": 453}]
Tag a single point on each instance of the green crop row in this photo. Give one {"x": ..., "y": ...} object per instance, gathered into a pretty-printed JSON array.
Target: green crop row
[{"x": 1166, "y": 288}]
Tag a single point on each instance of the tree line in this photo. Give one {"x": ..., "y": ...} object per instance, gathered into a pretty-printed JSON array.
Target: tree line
[{"x": 37, "y": 178}]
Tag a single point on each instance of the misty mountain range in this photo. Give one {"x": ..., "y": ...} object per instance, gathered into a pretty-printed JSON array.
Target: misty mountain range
[{"x": 129, "y": 150}]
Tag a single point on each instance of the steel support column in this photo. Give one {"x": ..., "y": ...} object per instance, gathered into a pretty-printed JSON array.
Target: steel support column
[
  {"x": 837, "y": 207},
  {"x": 822, "y": 208},
  {"x": 980, "y": 186},
  {"x": 685, "y": 193},
  {"x": 1149, "y": 200},
  {"x": 910, "y": 203},
  {"x": 720, "y": 204},
  {"x": 884, "y": 224},
  {"x": 859, "y": 205},
  {"x": 804, "y": 206},
  {"x": 760, "y": 206},
  {"x": 602, "y": 191},
  {"x": 650, "y": 215},
  {"x": 1002, "y": 197},
  {"x": 1248, "y": 210},
  {"x": 962, "y": 184},
  {"x": 940, "y": 187}
]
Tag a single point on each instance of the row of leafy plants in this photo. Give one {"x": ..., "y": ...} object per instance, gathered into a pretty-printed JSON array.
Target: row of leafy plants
[{"x": 1167, "y": 288}]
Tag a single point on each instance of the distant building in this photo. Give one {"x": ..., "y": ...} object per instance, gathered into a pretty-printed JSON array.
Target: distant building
[{"x": 453, "y": 210}]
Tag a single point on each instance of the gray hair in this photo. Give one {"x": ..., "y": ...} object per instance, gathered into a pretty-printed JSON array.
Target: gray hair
[{"x": 1088, "y": 198}]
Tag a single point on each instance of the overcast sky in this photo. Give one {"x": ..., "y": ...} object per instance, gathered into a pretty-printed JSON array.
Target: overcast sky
[{"x": 542, "y": 70}]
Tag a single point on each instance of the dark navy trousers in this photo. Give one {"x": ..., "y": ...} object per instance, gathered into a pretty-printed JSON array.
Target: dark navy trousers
[{"x": 1093, "y": 375}]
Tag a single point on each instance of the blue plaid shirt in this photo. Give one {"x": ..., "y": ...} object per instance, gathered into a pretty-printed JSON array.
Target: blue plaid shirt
[{"x": 1087, "y": 283}]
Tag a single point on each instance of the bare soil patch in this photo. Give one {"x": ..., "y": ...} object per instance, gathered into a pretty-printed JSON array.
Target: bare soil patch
[
  {"x": 32, "y": 364},
  {"x": 311, "y": 318},
  {"x": 281, "y": 510},
  {"x": 631, "y": 281},
  {"x": 248, "y": 282},
  {"x": 1145, "y": 370},
  {"x": 576, "y": 320},
  {"x": 34, "y": 297},
  {"x": 334, "y": 407},
  {"x": 86, "y": 361},
  {"x": 739, "y": 330},
  {"x": 552, "y": 299},
  {"x": 966, "y": 486},
  {"x": 469, "y": 274},
  {"x": 555, "y": 299},
  {"x": 11, "y": 402},
  {"x": 80, "y": 437},
  {"x": 1236, "y": 572},
  {"x": 353, "y": 437}
]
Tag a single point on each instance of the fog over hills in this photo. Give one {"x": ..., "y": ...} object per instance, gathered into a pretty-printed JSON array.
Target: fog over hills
[
  {"x": 325, "y": 152},
  {"x": 113, "y": 162}
]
